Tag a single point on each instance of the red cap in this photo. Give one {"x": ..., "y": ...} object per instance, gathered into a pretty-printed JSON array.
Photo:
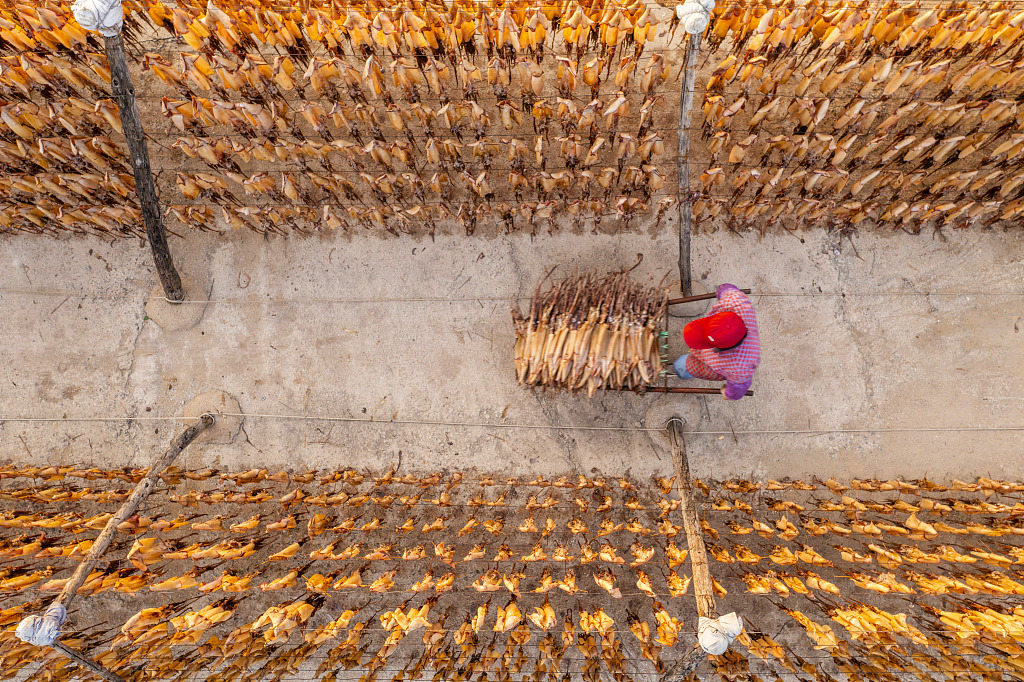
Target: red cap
[{"x": 721, "y": 330}]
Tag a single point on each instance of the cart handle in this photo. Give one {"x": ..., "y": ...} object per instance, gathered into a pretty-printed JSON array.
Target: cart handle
[
  {"x": 689, "y": 389},
  {"x": 699, "y": 297},
  {"x": 677, "y": 389}
]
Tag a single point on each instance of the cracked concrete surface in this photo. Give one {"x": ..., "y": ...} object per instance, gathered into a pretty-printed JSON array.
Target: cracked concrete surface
[{"x": 855, "y": 336}]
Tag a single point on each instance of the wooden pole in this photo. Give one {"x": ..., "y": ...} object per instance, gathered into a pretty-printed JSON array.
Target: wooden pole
[
  {"x": 683, "y": 163},
  {"x": 87, "y": 663},
  {"x": 703, "y": 588},
  {"x": 141, "y": 492},
  {"x": 124, "y": 94}
]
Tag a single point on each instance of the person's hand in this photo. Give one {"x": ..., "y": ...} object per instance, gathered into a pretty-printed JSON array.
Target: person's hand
[{"x": 723, "y": 393}]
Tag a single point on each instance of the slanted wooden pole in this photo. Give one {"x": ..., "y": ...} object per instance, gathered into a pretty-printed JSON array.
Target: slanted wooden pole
[
  {"x": 703, "y": 587},
  {"x": 124, "y": 94},
  {"x": 141, "y": 492},
  {"x": 99, "y": 547},
  {"x": 87, "y": 662},
  {"x": 683, "y": 163}
]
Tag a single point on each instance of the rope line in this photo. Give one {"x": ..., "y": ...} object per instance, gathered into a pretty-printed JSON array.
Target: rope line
[
  {"x": 471, "y": 299},
  {"x": 492, "y": 425}
]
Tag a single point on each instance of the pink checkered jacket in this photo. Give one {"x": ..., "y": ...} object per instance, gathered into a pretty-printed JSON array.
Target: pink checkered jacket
[{"x": 737, "y": 365}]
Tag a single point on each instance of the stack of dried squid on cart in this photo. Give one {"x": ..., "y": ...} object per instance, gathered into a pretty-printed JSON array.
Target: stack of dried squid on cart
[{"x": 590, "y": 332}]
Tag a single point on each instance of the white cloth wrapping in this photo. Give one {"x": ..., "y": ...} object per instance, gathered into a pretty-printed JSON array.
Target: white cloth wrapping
[
  {"x": 696, "y": 23},
  {"x": 695, "y": 15},
  {"x": 716, "y": 634},
  {"x": 103, "y": 16},
  {"x": 42, "y": 630}
]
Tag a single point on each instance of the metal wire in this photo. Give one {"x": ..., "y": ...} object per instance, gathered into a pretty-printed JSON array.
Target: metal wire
[
  {"x": 495, "y": 425},
  {"x": 466, "y": 299}
]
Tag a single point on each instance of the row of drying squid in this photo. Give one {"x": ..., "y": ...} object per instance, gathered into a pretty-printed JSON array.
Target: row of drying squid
[
  {"x": 898, "y": 115},
  {"x": 409, "y": 187},
  {"x": 51, "y": 218},
  {"x": 227, "y": 37},
  {"x": 411, "y": 580},
  {"x": 796, "y": 213},
  {"x": 910, "y": 78},
  {"x": 853, "y": 507},
  {"x": 900, "y": 146},
  {"x": 422, "y": 52},
  {"x": 351, "y": 477},
  {"x": 73, "y": 157},
  {"x": 860, "y": 72},
  {"x": 595, "y": 544},
  {"x": 501, "y": 636},
  {"x": 442, "y": 29},
  {"x": 48, "y": 27},
  {"x": 768, "y": 27},
  {"x": 278, "y": 81},
  {"x": 538, "y": 571},
  {"x": 411, "y": 622},
  {"x": 582, "y": 503},
  {"x": 983, "y": 103},
  {"x": 422, "y": 219},
  {"x": 417, "y": 181},
  {"x": 817, "y": 194},
  {"x": 498, "y": 638},
  {"x": 69, "y": 78},
  {"x": 880, "y": 644},
  {"x": 591, "y": 135},
  {"x": 58, "y": 63},
  {"x": 573, "y": 541},
  {"x": 62, "y": 170},
  {"x": 573, "y": 538},
  {"x": 914, "y": 178}
]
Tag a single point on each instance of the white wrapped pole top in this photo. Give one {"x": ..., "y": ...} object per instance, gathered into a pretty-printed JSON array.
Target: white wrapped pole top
[
  {"x": 42, "y": 630},
  {"x": 103, "y": 16},
  {"x": 695, "y": 15},
  {"x": 716, "y": 634}
]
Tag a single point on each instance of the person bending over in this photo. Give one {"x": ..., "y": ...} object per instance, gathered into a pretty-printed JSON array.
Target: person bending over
[{"x": 724, "y": 345}]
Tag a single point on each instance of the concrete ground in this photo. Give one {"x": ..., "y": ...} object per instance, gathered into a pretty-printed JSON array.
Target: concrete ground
[{"x": 890, "y": 354}]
